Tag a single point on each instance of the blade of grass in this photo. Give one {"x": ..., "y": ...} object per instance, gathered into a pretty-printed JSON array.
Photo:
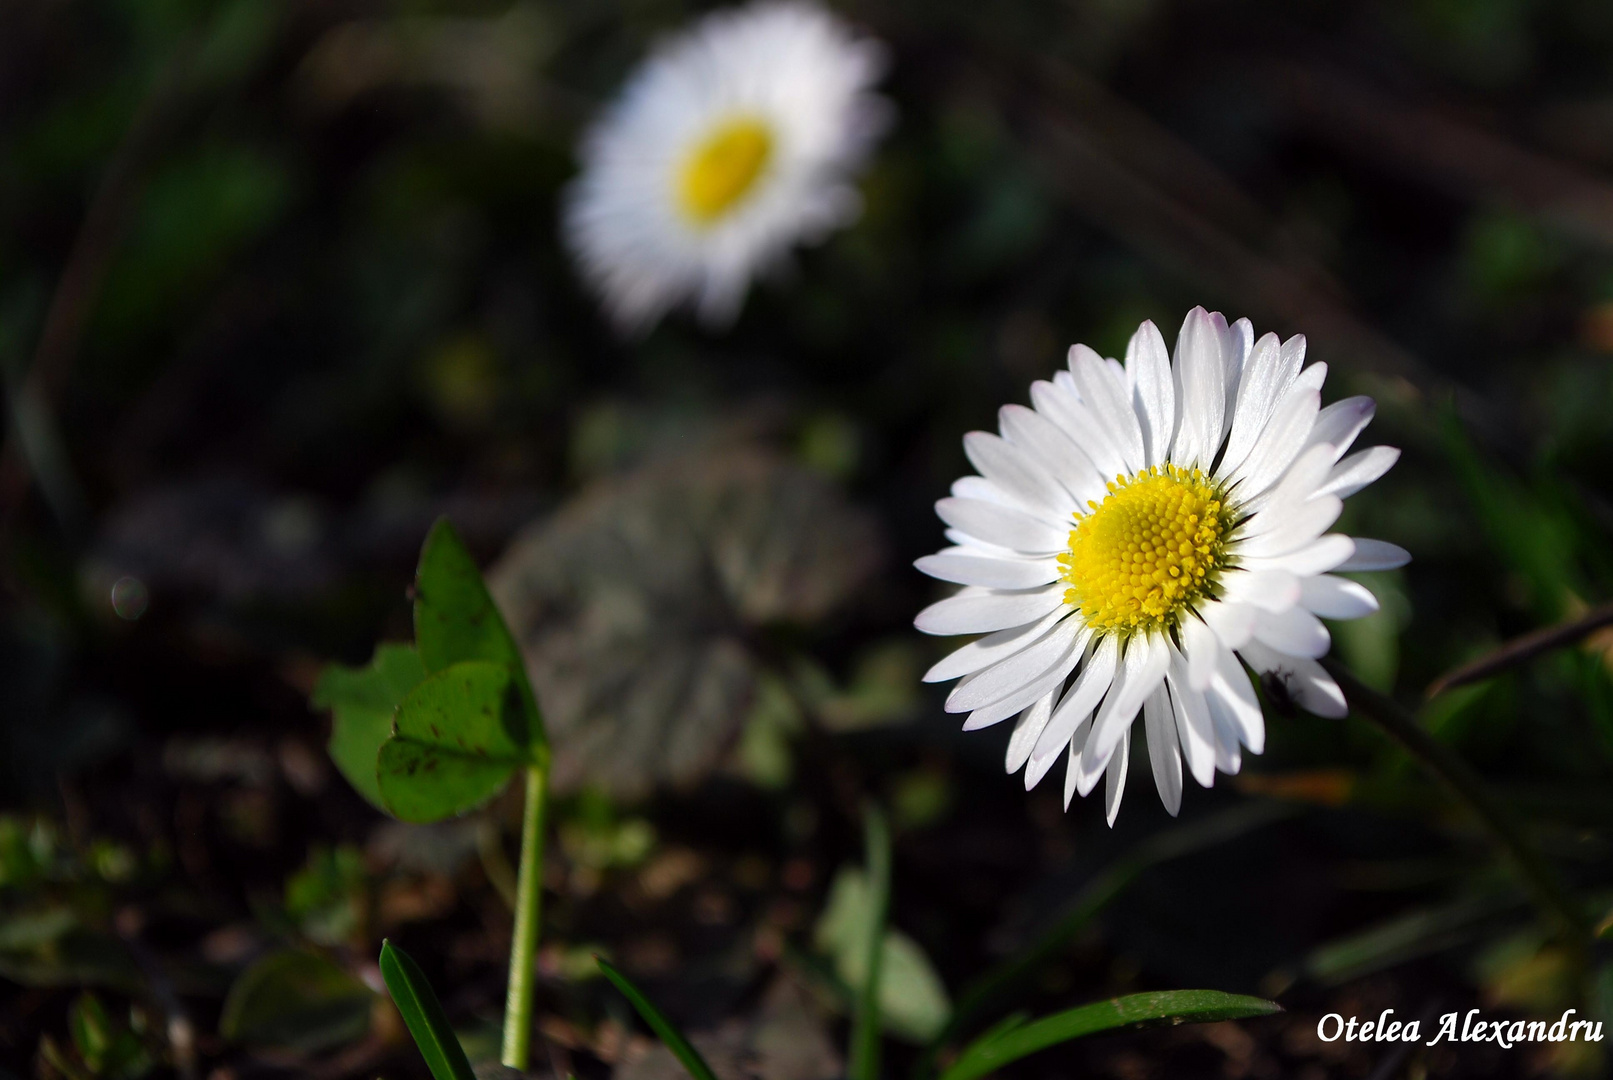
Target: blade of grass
[
  {"x": 663, "y": 1028},
  {"x": 422, "y": 1014},
  {"x": 996, "y": 1049},
  {"x": 865, "y": 1029},
  {"x": 1100, "y": 891}
]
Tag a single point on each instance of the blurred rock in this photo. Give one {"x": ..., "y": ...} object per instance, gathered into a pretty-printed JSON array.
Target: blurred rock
[{"x": 638, "y": 606}]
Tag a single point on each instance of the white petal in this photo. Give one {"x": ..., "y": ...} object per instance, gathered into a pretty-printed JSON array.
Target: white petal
[
  {"x": 1325, "y": 554},
  {"x": 1110, "y": 403},
  {"x": 1375, "y": 555},
  {"x": 1070, "y": 773},
  {"x": 1023, "y": 698},
  {"x": 1082, "y": 697},
  {"x": 1142, "y": 668},
  {"x": 1358, "y": 470},
  {"x": 1298, "y": 485},
  {"x": 1241, "y": 335},
  {"x": 1115, "y": 785},
  {"x": 1311, "y": 688},
  {"x": 1232, "y": 623},
  {"x": 1003, "y": 526},
  {"x": 1011, "y": 469},
  {"x": 1269, "y": 590},
  {"x": 1012, "y": 674},
  {"x": 1300, "y": 527},
  {"x": 1294, "y": 351},
  {"x": 1280, "y": 443},
  {"x": 1340, "y": 423},
  {"x": 1232, "y": 696},
  {"x": 1198, "y": 645},
  {"x": 1062, "y": 405},
  {"x": 1036, "y": 769},
  {"x": 1160, "y": 728},
  {"x": 979, "y": 611},
  {"x": 1296, "y": 632},
  {"x": 1267, "y": 374},
  {"x": 1337, "y": 598},
  {"x": 1154, "y": 392},
  {"x": 1201, "y": 389},
  {"x": 978, "y": 487},
  {"x": 1041, "y": 438},
  {"x": 986, "y": 651},
  {"x": 993, "y": 573},
  {"x": 1228, "y": 750},
  {"x": 973, "y": 545},
  {"x": 1312, "y": 377},
  {"x": 1026, "y": 729},
  {"x": 1194, "y": 728}
]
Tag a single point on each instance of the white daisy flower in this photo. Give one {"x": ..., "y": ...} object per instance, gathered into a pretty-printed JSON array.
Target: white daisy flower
[
  {"x": 1138, "y": 531},
  {"x": 736, "y": 139}
]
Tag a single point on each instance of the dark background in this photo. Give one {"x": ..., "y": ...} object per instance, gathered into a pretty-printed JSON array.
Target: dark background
[{"x": 280, "y": 284}]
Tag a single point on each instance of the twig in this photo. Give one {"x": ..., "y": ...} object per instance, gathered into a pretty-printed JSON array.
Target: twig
[
  {"x": 1466, "y": 787},
  {"x": 1521, "y": 650}
]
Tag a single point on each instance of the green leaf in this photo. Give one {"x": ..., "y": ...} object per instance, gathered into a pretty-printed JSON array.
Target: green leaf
[
  {"x": 455, "y": 618},
  {"x": 297, "y": 1000},
  {"x": 362, "y": 702},
  {"x": 457, "y": 738},
  {"x": 422, "y": 1014},
  {"x": 1007, "y": 1043},
  {"x": 663, "y": 1028}
]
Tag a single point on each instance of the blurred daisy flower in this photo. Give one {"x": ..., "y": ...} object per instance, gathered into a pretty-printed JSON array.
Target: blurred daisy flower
[
  {"x": 1133, "y": 535},
  {"x": 736, "y": 139}
]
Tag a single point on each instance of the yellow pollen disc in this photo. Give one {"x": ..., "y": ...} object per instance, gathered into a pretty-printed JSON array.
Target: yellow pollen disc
[
  {"x": 1146, "y": 553},
  {"x": 723, "y": 169}
]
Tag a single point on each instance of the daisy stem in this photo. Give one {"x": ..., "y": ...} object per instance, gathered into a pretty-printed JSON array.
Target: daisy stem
[
  {"x": 1468, "y": 788},
  {"x": 528, "y": 909}
]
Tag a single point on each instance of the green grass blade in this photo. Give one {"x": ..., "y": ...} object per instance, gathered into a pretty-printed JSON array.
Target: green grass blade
[
  {"x": 865, "y": 1029},
  {"x": 423, "y": 1015},
  {"x": 663, "y": 1028},
  {"x": 994, "y": 1050},
  {"x": 1006, "y": 979}
]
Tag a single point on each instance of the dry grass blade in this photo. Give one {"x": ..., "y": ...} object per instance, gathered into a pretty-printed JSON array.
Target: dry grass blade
[
  {"x": 1135, "y": 179},
  {"x": 1523, "y": 649},
  {"x": 1461, "y": 157}
]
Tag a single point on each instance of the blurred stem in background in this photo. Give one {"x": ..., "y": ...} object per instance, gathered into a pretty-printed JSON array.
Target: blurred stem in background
[
  {"x": 528, "y": 912},
  {"x": 865, "y": 1029},
  {"x": 1465, "y": 785}
]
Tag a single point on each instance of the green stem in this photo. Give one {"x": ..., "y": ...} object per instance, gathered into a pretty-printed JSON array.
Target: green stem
[
  {"x": 865, "y": 1029},
  {"x": 1466, "y": 786},
  {"x": 528, "y": 911}
]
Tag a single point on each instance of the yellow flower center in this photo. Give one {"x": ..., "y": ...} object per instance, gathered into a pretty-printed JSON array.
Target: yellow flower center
[
  {"x": 1154, "y": 545},
  {"x": 723, "y": 169}
]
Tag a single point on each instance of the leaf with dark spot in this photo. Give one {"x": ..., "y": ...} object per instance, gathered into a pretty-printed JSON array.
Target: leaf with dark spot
[{"x": 459, "y": 736}]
